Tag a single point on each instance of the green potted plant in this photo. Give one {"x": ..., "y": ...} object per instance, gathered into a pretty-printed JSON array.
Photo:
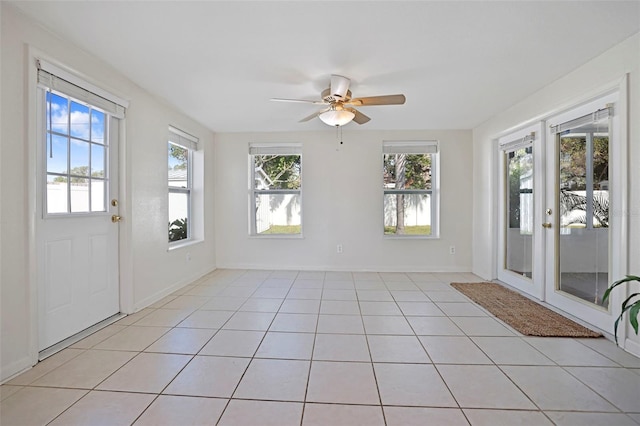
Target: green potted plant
[{"x": 629, "y": 305}]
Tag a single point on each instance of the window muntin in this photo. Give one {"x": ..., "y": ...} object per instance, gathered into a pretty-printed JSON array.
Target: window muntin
[
  {"x": 76, "y": 156},
  {"x": 180, "y": 184},
  {"x": 276, "y": 185},
  {"x": 409, "y": 180}
]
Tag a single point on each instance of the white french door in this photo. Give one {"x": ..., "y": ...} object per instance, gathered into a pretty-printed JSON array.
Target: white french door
[
  {"x": 583, "y": 189},
  {"x": 559, "y": 239},
  {"x": 77, "y": 212}
]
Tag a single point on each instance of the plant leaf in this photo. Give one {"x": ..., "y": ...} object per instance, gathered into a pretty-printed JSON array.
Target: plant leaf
[
  {"x": 615, "y": 328},
  {"x": 633, "y": 315},
  {"x": 628, "y": 299},
  {"x": 625, "y": 309},
  {"x": 617, "y": 283}
]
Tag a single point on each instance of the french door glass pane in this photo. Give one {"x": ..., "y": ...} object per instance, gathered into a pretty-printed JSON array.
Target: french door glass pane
[
  {"x": 583, "y": 197},
  {"x": 519, "y": 211}
]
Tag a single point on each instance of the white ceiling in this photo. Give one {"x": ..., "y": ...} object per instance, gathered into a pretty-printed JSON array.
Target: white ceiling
[{"x": 458, "y": 63}]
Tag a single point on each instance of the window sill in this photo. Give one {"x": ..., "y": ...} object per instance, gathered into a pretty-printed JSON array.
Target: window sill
[
  {"x": 276, "y": 236},
  {"x": 181, "y": 244},
  {"x": 411, "y": 237}
]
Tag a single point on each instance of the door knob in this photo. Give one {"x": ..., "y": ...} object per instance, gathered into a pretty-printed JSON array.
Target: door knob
[
  {"x": 115, "y": 218},
  {"x": 546, "y": 225}
]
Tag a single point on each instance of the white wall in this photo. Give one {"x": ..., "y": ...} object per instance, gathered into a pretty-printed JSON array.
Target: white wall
[
  {"x": 610, "y": 67},
  {"x": 342, "y": 204},
  {"x": 148, "y": 271}
]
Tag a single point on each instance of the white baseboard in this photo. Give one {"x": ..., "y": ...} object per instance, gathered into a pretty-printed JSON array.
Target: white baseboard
[
  {"x": 632, "y": 347},
  {"x": 147, "y": 301},
  {"x": 351, "y": 268},
  {"x": 12, "y": 370}
]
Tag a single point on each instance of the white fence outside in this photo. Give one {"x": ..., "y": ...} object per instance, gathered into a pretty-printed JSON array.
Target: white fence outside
[{"x": 277, "y": 209}]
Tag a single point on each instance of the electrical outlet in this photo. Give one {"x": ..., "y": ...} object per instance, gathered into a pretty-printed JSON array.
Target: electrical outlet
[
  {"x": 452, "y": 250},
  {"x": 339, "y": 248}
]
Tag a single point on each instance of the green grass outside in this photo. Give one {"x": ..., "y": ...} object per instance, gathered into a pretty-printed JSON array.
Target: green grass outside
[
  {"x": 283, "y": 229},
  {"x": 409, "y": 230},
  {"x": 388, "y": 230}
]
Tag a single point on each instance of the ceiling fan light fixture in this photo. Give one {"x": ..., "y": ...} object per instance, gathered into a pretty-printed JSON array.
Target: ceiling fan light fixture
[{"x": 337, "y": 117}]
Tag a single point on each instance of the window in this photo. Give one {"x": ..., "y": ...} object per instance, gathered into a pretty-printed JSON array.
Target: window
[
  {"x": 76, "y": 156},
  {"x": 77, "y": 142},
  {"x": 275, "y": 185},
  {"x": 410, "y": 188},
  {"x": 180, "y": 155}
]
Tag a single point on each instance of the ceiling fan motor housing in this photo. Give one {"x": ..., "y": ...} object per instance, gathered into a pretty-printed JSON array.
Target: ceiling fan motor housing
[{"x": 327, "y": 96}]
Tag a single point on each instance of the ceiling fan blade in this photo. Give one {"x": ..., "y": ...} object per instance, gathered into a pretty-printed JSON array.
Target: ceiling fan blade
[
  {"x": 360, "y": 118},
  {"x": 314, "y": 115},
  {"x": 379, "y": 100},
  {"x": 339, "y": 86},
  {"x": 305, "y": 101}
]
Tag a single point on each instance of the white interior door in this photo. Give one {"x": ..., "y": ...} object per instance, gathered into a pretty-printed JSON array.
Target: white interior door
[
  {"x": 520, "y": 238},
  {"x": 77, "y": 241},
  {"x": 582, "y": 189}
]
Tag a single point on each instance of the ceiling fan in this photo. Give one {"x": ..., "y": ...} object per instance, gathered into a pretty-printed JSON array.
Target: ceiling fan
[{"x": 339, "y": 110}]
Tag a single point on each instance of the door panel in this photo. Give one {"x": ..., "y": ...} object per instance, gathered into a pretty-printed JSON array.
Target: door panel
[
  {"x": 579, "y": 189},
  {"x": 98, "y": 268},
  {"x": 521, "y": 264},
  {"x": 58, "y": 263},
  {"x": 78, "y": 278}
]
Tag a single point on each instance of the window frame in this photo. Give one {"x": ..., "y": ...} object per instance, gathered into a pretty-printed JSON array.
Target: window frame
[
  {"x": 186, "y": 141},
  {"x": 422, "y": 147},
  {"x": 284, "y": 149}
]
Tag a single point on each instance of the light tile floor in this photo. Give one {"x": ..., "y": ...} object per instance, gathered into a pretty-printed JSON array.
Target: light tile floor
[{"x": 324, "y": 348}]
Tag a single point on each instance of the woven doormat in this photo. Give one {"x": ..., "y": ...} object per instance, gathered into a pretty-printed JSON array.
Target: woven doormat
[{"x": 524, "y": 315}]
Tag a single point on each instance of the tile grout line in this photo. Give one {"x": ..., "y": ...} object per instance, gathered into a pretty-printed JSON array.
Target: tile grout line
[
  {"x": 438, "y": 371},
  {"x": 315, "y": 333},
  {"x": 235, "y": 389},
  {"x": 375, "y": 376},
  {"x": 245, "y": 369},
  {"x": 313, "y": 348}
]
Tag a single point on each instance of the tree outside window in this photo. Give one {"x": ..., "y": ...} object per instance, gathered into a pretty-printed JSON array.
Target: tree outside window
[{"x": 276, "y": 190}]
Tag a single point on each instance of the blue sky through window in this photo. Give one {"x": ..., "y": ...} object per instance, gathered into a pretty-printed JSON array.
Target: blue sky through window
[{"x": 75, "y": 124}]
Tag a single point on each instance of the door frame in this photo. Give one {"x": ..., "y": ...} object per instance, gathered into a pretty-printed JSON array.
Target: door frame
[{"x": 33, "y": 195}]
